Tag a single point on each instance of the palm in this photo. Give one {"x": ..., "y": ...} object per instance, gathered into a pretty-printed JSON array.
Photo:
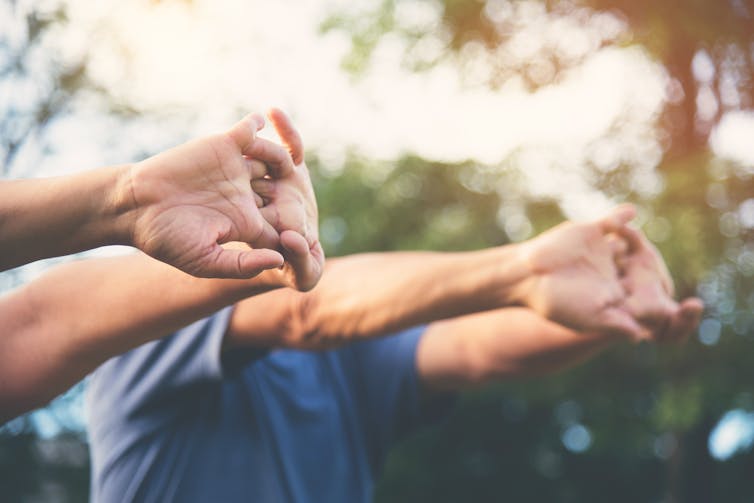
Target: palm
[
  {"x": 649, "y": 291},
  {"x": 197, "y": 196},
  {"x": 576, "y": 281}
]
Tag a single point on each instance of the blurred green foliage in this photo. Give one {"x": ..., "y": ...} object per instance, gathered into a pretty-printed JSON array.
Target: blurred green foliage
[{"x": 648, "y": 410}]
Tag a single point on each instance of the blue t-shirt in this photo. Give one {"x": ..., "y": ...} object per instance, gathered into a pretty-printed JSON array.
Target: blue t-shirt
[{"x": 175, "y": 421}]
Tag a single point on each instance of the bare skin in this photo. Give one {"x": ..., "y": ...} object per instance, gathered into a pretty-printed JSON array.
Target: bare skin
[
  {"x": 56, "y": 332},
  {"x": 568, "y": 274},
  {"x": 179, "y": 207},
  {"x": 514, "y": 343},
  {"x": 289, "y": 204}
]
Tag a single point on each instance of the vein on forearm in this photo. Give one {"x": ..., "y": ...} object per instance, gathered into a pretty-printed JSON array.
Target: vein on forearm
[{"x": 375, "y": 294}]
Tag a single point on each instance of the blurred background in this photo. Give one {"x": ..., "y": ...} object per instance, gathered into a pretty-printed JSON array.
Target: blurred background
[{"x": 446, "y": 125}]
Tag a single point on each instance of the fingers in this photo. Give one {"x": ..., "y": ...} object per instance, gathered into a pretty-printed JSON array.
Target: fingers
[
  {"x": 244, "y": 132},
  {"x": 288, "y": 134},
  {"x": 307, "y": 262},
  {"x": 244, "y": 135},
  {"x": 257, "y": 168},
  {"x": 617, "y": 219},
  {"x": 686, "y": 320},
  {"x": 268, "y": 237},
  {"x": 618, "y": 248},
  {"x": 258, "y": 172},
  {"x": 264, "y": 187},
  {"x": 661, "y": 269},
  {"x": 271, "y": 215},
  {"x": 654, "y": 313},
  {"x": 254, "y": 230},
  {"x": 645, "y": 252},
  {"x": 633, "y": 237},
  {"x": 277, "y": 158},
  {"x": 618, "y": 321},
  {"x": 241, "y": 264},
  {"x": 672, "y": 322}
]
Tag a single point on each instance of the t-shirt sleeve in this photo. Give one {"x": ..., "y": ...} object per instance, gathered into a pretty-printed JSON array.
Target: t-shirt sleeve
[
  {"x": 162, "y": 376},
  {"x": 387, "y": 390}
]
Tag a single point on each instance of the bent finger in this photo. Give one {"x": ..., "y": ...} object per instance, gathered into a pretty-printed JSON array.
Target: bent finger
[
  {"x": 244, "y": 132},
  {"x": 617, "y": 219},
  {"x": 277, "y": 158},
  {"x": 686, "y": 320},
  {"x": 257, "y": 168},
  {"x": 618, "y": 247},
  {"x": 288, "y": 134},
  {"x": 267, "y": 238},
  {"x": 307, "y": 262},
  {"x": 619, "y": 322},
  {"x": 264, "y": 187},
  {"x": 655, "y": 313},
  {"x": 241, "y": 264},
  {"x": 271, "y": 215}
]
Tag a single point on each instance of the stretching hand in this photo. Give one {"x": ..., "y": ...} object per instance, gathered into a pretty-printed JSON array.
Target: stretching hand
[
  {"x": 289, "y": 205},
  {"x": 575, "y": 280},
  {"x": 605, "y": 277},
  {"x": 649, "y": 293},
  {"x": 191, "y": 199}
]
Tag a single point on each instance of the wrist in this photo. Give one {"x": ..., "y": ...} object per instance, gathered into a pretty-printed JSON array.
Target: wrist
[
  {"x": 123, "y": 208},
  {"x": 518, "y": 275}
]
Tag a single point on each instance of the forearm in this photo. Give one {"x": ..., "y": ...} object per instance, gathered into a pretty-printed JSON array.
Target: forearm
[
  {"x": 63, "y": 325},
  {"x": 375, "y": 294},
  {"x": 57, "y": 216},
  {"x": 498, "y": 345}
]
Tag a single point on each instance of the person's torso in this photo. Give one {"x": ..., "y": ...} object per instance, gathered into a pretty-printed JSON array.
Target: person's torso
[{"x": 286, "y": 428}]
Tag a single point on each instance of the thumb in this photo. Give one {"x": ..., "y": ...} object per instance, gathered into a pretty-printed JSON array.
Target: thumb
[
  {"x": 687, "y": 319},
  {"x": 241, "y": 264},
  {"x": 244, "y": 132},
  {"x": 620, "y": 322},
  {"x": 307, "y": 262},
  {"x": 616, "y": 220}
]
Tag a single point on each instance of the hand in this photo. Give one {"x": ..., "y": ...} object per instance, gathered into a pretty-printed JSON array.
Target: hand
[
  {"x": 649, "y": 293},
  {"x": 290, "y": 206},
  {"x": 191, "y": 199},
  {"x": 575, "y": 280}
]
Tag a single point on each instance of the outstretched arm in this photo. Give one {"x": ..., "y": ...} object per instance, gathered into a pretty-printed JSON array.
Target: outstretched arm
[
  {"x": 178, "y": 206},
  {"x": 183, "y": 207},
  {"x": 60, "y": 327},
  {"x": 511, "y": 343},
  {"x": 374, "y": 294},
  {"x": 568, "y": 275}
]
